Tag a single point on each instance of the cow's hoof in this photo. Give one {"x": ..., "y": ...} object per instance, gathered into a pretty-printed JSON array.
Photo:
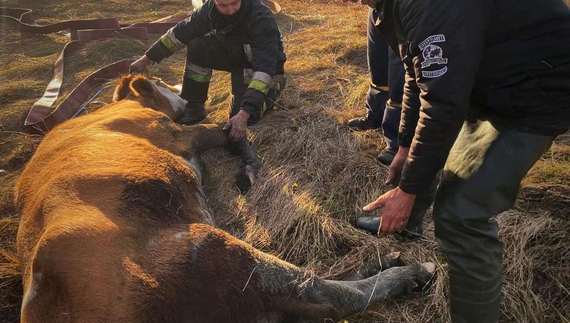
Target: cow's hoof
[
  {"x": 426, "y": 276},
  {"x": 392, "y": 260},
  {"x": 245, "y": 178},
  {"x": 373, "y": 267},
  {"x": 429, "y": 267}
]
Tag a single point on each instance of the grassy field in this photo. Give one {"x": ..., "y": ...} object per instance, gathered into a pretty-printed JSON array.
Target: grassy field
[{"x": 317, "y": 174}]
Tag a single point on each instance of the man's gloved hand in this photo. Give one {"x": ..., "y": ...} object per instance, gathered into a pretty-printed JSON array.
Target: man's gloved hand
[
  {"x": 237, "y": 126},
  {"x": 140, "y": 65}
]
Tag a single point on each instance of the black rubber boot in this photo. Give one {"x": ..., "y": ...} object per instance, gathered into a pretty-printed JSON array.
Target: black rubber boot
[
  {"x": 194, "y": 113},
  {"x": 413, "y": 230},
  {"x": 372, "y": 223},
  {"x": 363, "y": 123},
  {"x": 386, "y": 156},
  {"x": 196, "y": 93}
]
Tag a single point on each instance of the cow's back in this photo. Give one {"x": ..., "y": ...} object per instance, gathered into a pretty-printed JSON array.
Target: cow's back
[{"x": 97, "y": 192}]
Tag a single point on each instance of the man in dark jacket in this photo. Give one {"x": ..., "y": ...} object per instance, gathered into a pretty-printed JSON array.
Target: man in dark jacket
[
  {"x": 238, "y": 36},
  {"x": 487, "y": 90},
  {"x": 384, "y": 97}
]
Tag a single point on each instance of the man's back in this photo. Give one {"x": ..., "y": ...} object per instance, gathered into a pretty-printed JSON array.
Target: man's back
[{"x": 511, "y": 57}]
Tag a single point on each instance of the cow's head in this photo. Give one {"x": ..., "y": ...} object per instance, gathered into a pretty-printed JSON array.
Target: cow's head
[{"x": 151, "y": 92}]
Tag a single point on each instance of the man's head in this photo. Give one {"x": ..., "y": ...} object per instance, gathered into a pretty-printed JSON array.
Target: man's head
[{"x": 228, "y": 7}]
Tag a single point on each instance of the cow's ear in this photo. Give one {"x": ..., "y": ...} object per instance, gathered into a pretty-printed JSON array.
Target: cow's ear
[
  {"x": 122, "y": 89},
  {"x": 141, "y": 86}
]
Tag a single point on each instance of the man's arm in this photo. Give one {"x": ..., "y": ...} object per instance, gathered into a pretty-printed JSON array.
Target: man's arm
[
  {"x": 446, "y": 40},
  {"x": 264, "y": 49},
  {"x": 178, "y": 37},
  {"x": 410, "y": 110}
]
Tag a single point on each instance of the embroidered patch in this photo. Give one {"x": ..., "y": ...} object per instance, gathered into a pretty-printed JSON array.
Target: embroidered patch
[
  {"x": 432, "y": 54},
  {"x": 434, "y": 74}
]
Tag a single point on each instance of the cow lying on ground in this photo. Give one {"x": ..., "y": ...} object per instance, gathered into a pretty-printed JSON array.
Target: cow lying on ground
[{"x": 114, "y": 228}]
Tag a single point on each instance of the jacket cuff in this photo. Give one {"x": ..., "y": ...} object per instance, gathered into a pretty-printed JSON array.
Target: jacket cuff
[
  {"x": 405, "y": 140},
  {"x": 157, "y": 52},
  {"x": 253, "y": 101},
  {"x": 415, "y": 187}
]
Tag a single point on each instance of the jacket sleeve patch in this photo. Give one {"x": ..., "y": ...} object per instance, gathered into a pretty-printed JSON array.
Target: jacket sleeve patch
[{"x": 433, "y": 55}]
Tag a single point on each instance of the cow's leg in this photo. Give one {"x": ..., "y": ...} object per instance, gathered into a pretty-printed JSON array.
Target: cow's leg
[
  {"x": 262, "y": 283},
  {"x": 247, "y": 173},
  {"x": 325, "y": 299},
  {"x": 192, "y": 140},
  {"x": 377, "y": 265},
  {"x": 199, "y": 138},
  {"x": 369, "y": 269}
]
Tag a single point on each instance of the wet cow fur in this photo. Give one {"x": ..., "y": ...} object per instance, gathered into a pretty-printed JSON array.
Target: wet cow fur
[{"x": 115, "y": 228}]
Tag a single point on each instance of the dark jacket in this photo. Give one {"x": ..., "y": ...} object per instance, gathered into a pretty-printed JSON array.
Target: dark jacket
[
  {"x": 253, "y": 25},
  {"x": 503, "y": 60}
]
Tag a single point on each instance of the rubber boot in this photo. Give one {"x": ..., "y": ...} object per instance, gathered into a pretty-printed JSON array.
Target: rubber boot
[{"x": 196, "y": 93}]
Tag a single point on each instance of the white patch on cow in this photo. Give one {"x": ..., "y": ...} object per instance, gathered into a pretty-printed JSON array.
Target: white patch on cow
[
  {"x": 32, "y": 291},
  {"x": 194, "y": 164},
  {"x": 178, "y": 104},
  {"x": 204, "y": 207},
  {"x": 180, "y": 235}
]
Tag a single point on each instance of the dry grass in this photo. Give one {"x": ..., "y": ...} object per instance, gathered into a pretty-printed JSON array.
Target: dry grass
[{"x": 316, "y": 175}]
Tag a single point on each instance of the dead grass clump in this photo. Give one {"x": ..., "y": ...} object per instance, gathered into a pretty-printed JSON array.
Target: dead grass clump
[
  {"x": 10, "y": 279},
  {"x": 548, "y": 182},
  {"x": 537, "y": 267},
  {"x": 17, "y": 148},
  {"x": 7, "y": 182}
]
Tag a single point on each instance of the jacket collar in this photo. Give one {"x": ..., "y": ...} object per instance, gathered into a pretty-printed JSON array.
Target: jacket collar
[{"x": 225, "y": 23}]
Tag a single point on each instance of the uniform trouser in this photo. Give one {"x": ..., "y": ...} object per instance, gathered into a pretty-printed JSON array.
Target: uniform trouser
[
  {"x": 207, "y": 53},
  {"x": 422, "y": 203},
  {"x": 481, "y": 178},
  {"x": 384, "y": 97}
]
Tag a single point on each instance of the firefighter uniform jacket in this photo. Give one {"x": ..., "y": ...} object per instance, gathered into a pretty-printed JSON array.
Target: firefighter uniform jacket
[
  {"x": 253, "y": 27},
  {"x": 507, "y": 61}
]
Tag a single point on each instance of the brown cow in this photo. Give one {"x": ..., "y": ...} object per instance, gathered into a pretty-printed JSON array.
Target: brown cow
[{"x": 115, "y": 228}]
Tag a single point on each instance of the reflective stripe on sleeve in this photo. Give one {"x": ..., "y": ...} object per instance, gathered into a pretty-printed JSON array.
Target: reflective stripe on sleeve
[
  {"x": 260, "y": 81},
  {"x": 171, "y": 42}
]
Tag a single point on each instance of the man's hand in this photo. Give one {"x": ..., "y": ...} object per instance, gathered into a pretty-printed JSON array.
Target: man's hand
[
  {"x": 139, "y": 66},
  {"x": 396, "y": 208},
  {"x": 395, "y": 171},
  {"x": 237, "y": 126}
]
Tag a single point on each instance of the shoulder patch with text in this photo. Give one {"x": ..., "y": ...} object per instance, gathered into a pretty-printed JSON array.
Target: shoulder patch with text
[{"x": 433, "y": 55}]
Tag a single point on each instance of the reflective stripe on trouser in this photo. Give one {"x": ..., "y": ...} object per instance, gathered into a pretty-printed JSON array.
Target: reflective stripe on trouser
[
  {"x": 422, "y": 203},
  {"x": 481, "y": 178},
  {"x": 240, "y": 82},
  {"x": 391, "y": 123},
  {"x": 193, "y": 91}
]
